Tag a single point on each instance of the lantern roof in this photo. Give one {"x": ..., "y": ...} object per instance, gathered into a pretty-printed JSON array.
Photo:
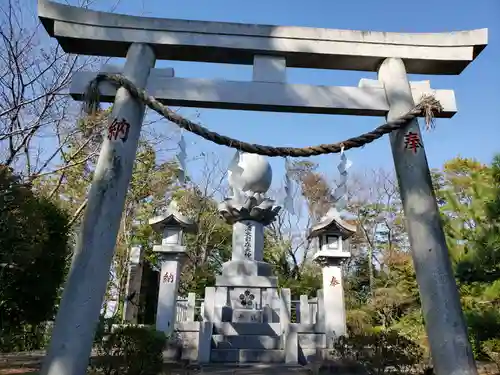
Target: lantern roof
[
  {"x": 332, "y": 223},
  {"x": 172, "y": 218}
]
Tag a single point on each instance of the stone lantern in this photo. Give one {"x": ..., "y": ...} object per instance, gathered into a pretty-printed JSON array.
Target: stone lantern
[
  {"x": 333, "y": 233},
  {"x": 172, "y": 256}
]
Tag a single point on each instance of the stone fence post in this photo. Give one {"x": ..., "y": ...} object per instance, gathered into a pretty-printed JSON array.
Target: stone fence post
[
  {"x": 289, "y": 336},
  {"x": 305, "y": 310},
  {"x": 190, "y": 307}
]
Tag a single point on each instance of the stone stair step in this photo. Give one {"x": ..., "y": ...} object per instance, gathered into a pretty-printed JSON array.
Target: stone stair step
[
  {"x": 238, "y": 329},
  {"x": 247, "y": 355},
  {"x": 253, "y": 369},
  {"x": 246, "y": 342}
]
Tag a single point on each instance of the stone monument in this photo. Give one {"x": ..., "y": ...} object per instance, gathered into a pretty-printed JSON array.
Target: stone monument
[
  {"x": 249, "y": 317},
  {"x": 247, "y": 282}
]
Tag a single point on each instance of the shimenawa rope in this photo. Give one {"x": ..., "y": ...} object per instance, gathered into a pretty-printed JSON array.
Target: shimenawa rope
[{"x": 428, "y": 106}]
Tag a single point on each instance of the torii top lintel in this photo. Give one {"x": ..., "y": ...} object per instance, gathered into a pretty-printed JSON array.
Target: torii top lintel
[{"x": 89, "y": 32}]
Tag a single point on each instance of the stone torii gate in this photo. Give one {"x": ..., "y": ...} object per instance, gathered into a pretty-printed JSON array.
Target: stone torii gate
[{"x": 271, "y": 49}]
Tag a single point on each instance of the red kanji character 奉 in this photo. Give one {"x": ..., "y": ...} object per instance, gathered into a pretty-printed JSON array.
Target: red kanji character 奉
[
  {"x": 412, "y": 141},
  {"x": 334, "y": 281}
]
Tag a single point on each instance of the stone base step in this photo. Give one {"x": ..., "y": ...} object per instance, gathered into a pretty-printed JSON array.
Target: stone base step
[
  {"x": 312, "y": 355},
  {"x": 238, "y": 329},
  {"x": 246, "y": 342},
  {"x": 253, "y": 369},
  {"x": 247, "y": 355}
]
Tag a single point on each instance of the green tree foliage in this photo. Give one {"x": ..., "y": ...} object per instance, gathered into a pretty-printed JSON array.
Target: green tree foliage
[
  {"x": 478, "y": 266},
  {"x": 286, "y": 246},
  {"x": 209, "y": 247},
  {"x": 300, "y": 279},
  {"x": 462, "y": 189},
  {"x": 468, "y": 196},
  {"x": 314, "y": 188},
  {"x": 151, "y": 178},
  {"x": 34, "y": 255},
  {"x": 379, "y": 353}
]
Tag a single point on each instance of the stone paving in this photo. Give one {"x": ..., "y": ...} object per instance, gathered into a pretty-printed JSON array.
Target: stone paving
[{"x": 30, "y": 363}]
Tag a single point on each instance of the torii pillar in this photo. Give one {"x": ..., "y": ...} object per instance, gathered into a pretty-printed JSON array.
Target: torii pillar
[{"x": 444, "y": 320}]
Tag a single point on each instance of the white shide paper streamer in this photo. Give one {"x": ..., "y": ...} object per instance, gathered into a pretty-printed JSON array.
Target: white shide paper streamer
[
  {"x": 234, "y": 177},
  {"x": 181, "y": 158},
  {"x": 288, "y": 201},
  {"x": 340, "y": 193}
]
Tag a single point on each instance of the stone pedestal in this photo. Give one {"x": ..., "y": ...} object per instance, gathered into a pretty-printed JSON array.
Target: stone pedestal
[
  {"x": 333, "y": 318},
  {"x": 247, "y": 316},
  {"x": 172, "y": 259},
  {"x": 247, "y": 284},
  {"x": 333, "y": 295}
]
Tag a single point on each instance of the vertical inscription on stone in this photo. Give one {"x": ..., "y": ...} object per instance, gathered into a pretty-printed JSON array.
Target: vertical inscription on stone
[
  {"x": 118, "y": 129},
  {"x": 168, "y": 277},
  {"x": 247, "y": 246},
  {"x": 413, "y": 142},
  {"x": 334, "y": 282}
]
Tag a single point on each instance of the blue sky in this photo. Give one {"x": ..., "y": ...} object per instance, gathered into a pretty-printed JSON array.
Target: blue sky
[{"x": 473, "y": 132}]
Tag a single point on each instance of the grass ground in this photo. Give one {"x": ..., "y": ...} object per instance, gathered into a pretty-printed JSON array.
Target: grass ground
[{"x": 29, "y": 363}]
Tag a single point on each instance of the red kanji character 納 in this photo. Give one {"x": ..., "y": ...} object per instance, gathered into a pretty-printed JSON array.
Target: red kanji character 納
[
  {"x": 112, "y": 133},
  {"x": 118, "y": 127},
  {"x": 168, "y": 277}
]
